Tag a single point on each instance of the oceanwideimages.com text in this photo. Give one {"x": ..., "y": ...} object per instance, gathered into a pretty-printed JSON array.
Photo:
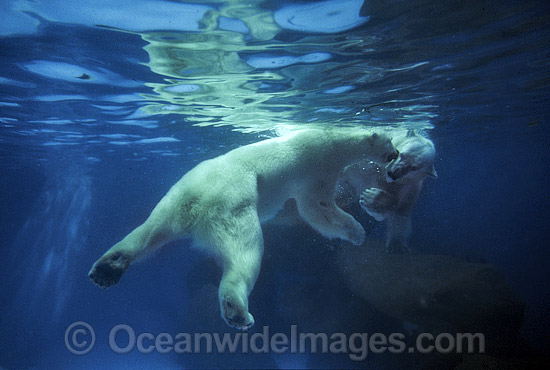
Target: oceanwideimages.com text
[{"x": 80, "y": 339}]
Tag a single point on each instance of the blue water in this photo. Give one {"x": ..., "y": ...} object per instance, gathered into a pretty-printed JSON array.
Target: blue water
[{"x": 105, "y": 104}]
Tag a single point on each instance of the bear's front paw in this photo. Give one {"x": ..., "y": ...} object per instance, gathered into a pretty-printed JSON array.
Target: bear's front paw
[
  {"x": 108, "y": 269},
  {"x": 376, "y": 200},
  {"x": 235, "y": 315}
]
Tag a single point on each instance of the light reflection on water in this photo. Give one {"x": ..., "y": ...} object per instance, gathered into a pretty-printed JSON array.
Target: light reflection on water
[
  {"x": 218, "y": 78},
  {"x": 251, "y": 65}
]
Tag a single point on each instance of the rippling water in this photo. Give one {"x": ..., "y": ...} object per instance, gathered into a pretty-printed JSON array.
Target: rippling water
[
  {"x": 106, "y": 102},
  {"x": 100, "y": 74}
]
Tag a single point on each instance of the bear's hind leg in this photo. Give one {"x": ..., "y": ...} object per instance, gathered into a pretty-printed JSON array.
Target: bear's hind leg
[{"x": 108, "y": 270}]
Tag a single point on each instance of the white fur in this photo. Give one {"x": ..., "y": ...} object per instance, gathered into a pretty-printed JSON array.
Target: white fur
[
  {"x": 222, "y": 202},
  {"x": 390, "y": 193}
]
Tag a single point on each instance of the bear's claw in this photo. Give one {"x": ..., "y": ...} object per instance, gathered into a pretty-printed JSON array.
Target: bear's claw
[
  {"x": 235, "y": 315},
  {"x": 238, "y": 323},
  {"x": 108, "y": 270},
  {"x": 375, "y": 199}
]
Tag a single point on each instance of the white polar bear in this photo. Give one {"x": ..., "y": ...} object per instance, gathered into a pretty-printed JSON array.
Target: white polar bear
[
  {"x": 221, "y": 202},
  {"x": 390, "y": 193}
]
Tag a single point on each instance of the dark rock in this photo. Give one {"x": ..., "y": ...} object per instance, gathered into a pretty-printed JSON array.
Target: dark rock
[{"x": 438, "y": 293}]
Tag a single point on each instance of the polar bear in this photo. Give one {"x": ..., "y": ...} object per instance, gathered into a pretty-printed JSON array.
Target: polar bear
[
  {"x": 390, "y": 193},
  {"x": 222, "y": 202}
]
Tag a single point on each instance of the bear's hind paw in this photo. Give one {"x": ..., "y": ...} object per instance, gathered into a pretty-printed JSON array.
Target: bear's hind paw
[
  {"x": 376, "y": 199},
  {"x": 108, "y": 270}
]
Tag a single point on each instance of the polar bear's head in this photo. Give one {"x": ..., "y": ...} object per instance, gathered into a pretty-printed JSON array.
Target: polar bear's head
[
  {"x": 415, "y": 161},
  {"x": 382, "y": 149}
]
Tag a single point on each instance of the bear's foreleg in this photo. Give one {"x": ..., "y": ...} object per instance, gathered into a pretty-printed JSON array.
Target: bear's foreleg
[{"x": 329, "y": 219}]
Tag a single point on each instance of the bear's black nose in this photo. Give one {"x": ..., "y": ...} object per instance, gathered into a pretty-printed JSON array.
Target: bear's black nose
[{"x": 392, "y": 175}]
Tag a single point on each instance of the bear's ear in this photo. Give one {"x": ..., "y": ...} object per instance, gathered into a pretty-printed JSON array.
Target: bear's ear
[
  {"x": 432, "y": 173},
  {"x": 411, "y": 133}
]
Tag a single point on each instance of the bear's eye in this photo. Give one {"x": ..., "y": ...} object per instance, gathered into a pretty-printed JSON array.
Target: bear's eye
[{"x": 414, "y": 168}]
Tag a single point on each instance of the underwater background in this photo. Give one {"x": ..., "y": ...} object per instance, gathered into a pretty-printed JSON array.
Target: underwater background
[{"x": 104, "y": 104}]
